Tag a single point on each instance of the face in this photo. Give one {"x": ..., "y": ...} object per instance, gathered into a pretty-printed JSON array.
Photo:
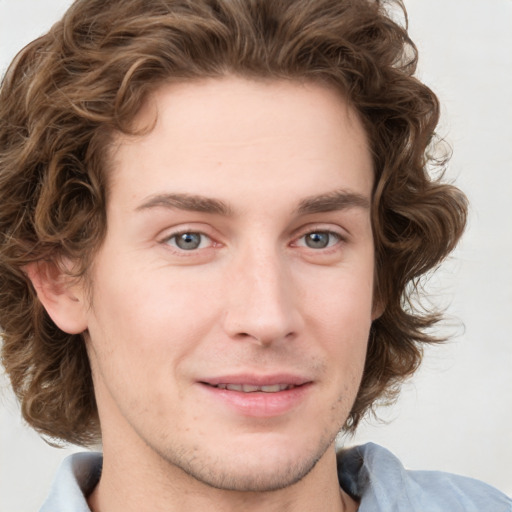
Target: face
[{"x": 233, "y": 295}]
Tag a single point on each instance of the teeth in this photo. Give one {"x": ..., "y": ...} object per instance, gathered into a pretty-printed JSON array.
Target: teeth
[
  {"x": 274, "y": 388},
  {"x": 249, "y": 388},
  {"x": 234, "y": 387}
]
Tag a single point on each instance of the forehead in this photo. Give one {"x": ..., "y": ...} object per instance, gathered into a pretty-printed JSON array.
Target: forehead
[{"x": 215, "y": 136}]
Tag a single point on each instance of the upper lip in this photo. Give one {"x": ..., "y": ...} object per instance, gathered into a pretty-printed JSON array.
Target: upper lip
[{"x": 258, "y": 380}]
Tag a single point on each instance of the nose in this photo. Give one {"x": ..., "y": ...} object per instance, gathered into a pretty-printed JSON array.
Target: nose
[{"x": 261, "y": 304}]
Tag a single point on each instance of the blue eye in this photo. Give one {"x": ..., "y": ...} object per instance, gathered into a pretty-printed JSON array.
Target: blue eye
[
  {"x": 320, "y": 239},
  {"x": 189, "y": 241}
]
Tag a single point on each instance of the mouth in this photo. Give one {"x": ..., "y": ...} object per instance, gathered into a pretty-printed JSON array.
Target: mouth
[
  {"x": 259, "y": 396},
  {"x": 251, "y": 388}
]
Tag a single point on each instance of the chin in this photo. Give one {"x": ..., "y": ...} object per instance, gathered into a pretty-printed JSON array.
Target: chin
[
  {"x": 262, "y": 467},
  {"x": 248, "y": 476}
]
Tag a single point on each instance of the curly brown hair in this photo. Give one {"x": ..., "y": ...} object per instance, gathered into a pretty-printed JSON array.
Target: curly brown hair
[{"x": 67, "y": 92}]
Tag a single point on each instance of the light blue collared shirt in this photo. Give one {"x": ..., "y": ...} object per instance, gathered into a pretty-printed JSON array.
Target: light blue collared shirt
[{"x": 369, "y": 473}]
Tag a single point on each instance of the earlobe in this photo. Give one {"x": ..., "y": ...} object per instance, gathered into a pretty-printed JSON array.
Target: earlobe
[
  {"x": 378, "y": 309},
  {"x": 378, "y": 306},
  {"x": 60, "y": 295},
  {"x": 379, "y": 302}
]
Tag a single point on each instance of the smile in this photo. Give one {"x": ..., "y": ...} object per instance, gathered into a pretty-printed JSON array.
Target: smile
[
  {"x": 250, "y": 388},
  {"x": 247, "y": 397}
]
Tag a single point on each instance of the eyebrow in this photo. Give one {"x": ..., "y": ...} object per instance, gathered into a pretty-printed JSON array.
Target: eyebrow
[
  {"x": 189, "y": 202},
  {"x": 332, "y": 201}
]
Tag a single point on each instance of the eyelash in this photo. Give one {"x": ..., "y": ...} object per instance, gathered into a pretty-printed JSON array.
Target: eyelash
[
  {"x": 175, "y": 237},
  {"x": 333, "y": 240}
]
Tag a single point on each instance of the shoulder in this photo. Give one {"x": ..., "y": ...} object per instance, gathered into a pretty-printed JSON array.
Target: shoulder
[
  {"x": 75, "y": 479},
  {"x": 378, "y": 479}
]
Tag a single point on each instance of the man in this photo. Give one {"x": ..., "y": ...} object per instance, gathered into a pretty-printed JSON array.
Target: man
[{"x": 212, "y": 213}]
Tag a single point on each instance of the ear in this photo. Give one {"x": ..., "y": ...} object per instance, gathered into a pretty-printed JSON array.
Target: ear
[
  {"x": 60, "y": 294},
  {"x": 379, "y": 304},
  {"x": 377, "y": 308}
]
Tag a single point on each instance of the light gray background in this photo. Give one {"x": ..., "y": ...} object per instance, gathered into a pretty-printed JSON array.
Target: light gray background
[{"x": 456, "y": 414}]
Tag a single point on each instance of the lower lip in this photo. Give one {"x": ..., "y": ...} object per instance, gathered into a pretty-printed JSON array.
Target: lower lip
[{"x": 260, "y": 404}]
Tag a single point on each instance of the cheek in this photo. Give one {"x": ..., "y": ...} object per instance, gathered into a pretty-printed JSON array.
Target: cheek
[
  {"x": 341, "y": 302},
  {"x": 340, "y": 318},
  {"x": 146, "y": 323}
]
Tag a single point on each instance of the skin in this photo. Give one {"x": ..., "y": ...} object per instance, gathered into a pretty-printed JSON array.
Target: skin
[{"x": 270, "y": 280}]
